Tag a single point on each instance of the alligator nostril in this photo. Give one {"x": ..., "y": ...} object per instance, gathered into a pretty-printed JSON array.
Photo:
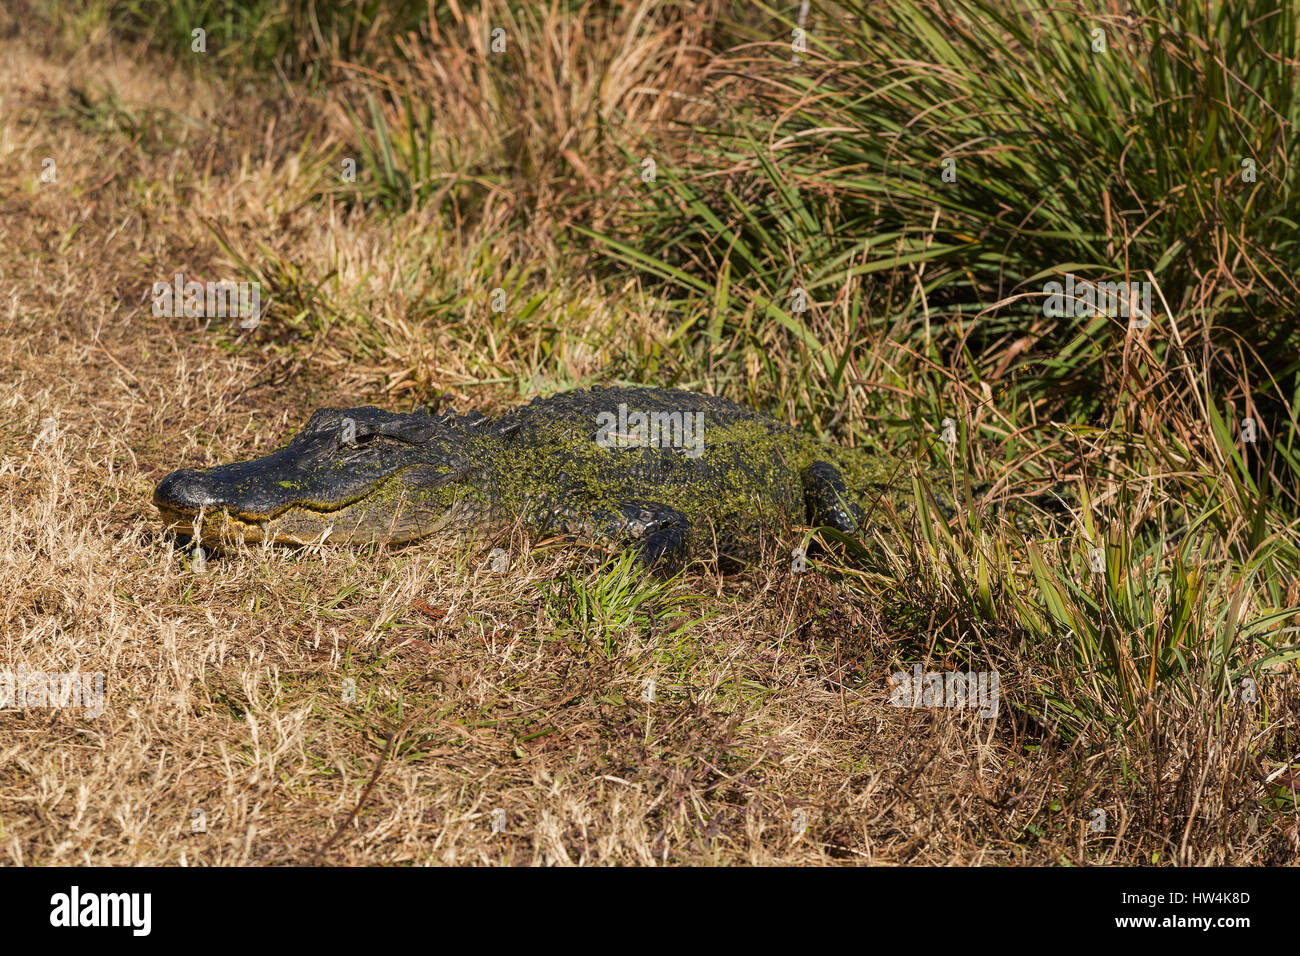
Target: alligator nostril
[{"x": 184, "y": 490}]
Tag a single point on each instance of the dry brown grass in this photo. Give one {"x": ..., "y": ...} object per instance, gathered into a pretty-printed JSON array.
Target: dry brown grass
[{"x": 475, "y": 691}]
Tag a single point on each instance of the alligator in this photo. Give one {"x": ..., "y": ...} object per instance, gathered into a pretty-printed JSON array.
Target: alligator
[{"x": 666, "y": 473}]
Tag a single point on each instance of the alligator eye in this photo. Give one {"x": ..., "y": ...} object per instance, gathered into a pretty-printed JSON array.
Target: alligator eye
[
  {"x": 356, "y": 439},
  {"x": 371, "y": 447},
  {"x": 362, "y": 443}
]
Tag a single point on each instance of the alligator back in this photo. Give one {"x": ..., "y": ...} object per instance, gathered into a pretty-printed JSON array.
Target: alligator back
[{"x": 736, "y": 475}]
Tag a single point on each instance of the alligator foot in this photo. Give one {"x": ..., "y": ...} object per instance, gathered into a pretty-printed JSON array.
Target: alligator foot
[
  {"x": 659, "y": 534},
  {"x": 828, "y": 500}
]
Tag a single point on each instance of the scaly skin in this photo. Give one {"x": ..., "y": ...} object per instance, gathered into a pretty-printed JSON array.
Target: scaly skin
[{"x": 541, "y": 467}]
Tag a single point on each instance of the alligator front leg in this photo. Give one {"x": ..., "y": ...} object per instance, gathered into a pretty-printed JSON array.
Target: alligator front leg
[
  {"x": 657, "y": 533},
  {"x": 828, "y": 500}
]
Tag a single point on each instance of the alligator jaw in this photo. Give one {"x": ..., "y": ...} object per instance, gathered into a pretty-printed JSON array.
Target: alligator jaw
[{"x": 389, "y": 513}]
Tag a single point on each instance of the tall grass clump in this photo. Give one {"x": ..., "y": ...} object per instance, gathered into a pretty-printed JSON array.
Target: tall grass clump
[
  {"x": 290, "y": 38},
  {"x": 926, "y": 167},
  {"x": 514, "y": 109}
]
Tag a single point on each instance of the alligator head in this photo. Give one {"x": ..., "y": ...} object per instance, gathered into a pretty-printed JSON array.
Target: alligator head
[{"x": 351, "y": 475}]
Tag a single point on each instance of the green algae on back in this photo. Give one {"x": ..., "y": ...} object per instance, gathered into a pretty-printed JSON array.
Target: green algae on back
[{"x": 667, "y": 472}]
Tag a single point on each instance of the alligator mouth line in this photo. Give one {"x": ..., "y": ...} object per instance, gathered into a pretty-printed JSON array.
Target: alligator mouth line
[
  {"x": 309, "y": 522},
  {"x": 224, "y": 526},
  {"x": 253, "y": 518},
  {"x": 321, "y": 509}
]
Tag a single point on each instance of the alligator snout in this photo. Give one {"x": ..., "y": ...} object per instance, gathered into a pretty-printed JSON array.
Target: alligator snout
[{"x": 187, "y": 491}]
